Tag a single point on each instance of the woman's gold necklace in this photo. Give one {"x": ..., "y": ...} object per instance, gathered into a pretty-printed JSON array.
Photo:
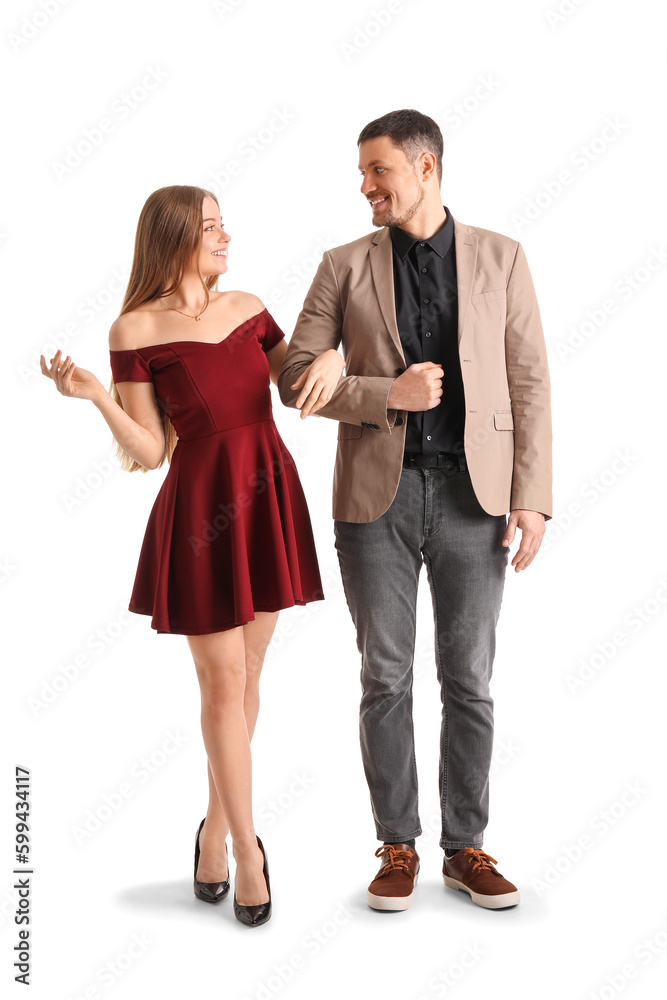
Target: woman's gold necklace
[{"x": 174, "y": 309}]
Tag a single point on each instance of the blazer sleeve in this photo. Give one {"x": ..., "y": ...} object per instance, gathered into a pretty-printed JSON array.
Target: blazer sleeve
[
  {"x": 357, "y": 399},
  {"x": 530, "y": 393},
  {"x": 129, "y": 366}
]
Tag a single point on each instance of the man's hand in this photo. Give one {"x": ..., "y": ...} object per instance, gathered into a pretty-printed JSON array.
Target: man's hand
[
  {"x": 418, "y": 388},
  {"x": 532, "y": 526}
]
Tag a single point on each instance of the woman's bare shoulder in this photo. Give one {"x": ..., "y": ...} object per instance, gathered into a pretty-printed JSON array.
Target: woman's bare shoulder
[
  {"x": 244, "y": 302},
  {"x": 131, "y": 328}
]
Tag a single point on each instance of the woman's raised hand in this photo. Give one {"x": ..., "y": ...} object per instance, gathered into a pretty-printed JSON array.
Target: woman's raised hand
[
  {"x": 318, "y": 381},
  {"x": 71, "y": 380}
]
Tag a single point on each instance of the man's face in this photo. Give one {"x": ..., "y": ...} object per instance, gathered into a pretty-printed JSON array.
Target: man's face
[{"x": 390, "y": 182}]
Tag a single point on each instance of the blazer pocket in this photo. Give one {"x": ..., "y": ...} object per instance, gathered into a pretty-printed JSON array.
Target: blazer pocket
[
  {"x": 503, "y": 420},
  {"x": 348, "y": 431},
  {"x": 492, "y": 293}
]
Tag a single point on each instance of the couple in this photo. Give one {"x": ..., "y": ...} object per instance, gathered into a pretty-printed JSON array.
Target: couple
[{"x": 444, "y": 429}]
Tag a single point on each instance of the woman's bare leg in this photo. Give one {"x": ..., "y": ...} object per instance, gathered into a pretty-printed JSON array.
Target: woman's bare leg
[
  {"x": 212, "y": 865},
  {"x": 217, "y": 658}
]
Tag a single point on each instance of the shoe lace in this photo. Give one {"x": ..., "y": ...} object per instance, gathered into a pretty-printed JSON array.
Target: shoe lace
[
  {"x": 393, "y": 857},
  {"x": 478, "y": 859}
]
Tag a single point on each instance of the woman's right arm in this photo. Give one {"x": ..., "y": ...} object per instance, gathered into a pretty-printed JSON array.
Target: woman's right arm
[{"x": 136, "y": 425}]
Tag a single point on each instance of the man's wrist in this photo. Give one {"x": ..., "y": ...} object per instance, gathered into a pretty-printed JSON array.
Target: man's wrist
[{"x": 391, "y": 402}]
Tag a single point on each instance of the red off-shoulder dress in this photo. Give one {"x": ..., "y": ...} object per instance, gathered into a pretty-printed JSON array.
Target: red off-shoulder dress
[{"x": 229, "y": 533}]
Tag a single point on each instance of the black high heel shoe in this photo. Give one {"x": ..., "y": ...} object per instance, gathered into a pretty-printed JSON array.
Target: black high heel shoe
[
  {"x": 210, "y": 892},
  {"x": 257, "y": 913}
]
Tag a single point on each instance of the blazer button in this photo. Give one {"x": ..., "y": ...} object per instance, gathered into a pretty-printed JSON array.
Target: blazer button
[
  {"x": 398, "y": 421},
  {"x": 399, "y": 371}
]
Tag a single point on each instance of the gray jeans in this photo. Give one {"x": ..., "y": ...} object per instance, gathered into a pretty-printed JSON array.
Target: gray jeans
[{"x": 435, "y": 517}]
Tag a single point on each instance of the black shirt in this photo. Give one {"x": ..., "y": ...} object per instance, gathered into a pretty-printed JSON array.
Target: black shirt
[{"x": 426, "y": 301}]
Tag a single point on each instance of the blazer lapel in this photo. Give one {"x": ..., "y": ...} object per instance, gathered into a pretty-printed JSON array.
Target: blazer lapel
[
  {"x": 465, "y": 245},
  {"x": 382, "y": 269}
]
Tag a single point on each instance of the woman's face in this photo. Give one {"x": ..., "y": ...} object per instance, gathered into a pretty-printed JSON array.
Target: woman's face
[{"x": 215, "y": 241}]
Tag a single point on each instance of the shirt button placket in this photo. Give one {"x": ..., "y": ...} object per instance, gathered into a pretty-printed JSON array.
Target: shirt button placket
[
  {"x": 424, "y": 292},
  {"x": 423, "y": 300}
]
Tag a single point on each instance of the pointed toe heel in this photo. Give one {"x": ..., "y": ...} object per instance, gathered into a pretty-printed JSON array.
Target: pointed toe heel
[
  {"x": 258, "y": 913},
  {"x": 209, "y": 892}
]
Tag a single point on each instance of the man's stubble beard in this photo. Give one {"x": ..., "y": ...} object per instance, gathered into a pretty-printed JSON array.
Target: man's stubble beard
[{"x": 394, "y": 219}]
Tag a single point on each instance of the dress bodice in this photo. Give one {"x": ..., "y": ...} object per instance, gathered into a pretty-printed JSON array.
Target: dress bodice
[{"x": 207, "y": 387}]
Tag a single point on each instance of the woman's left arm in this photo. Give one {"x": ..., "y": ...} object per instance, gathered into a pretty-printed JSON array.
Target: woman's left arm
[
  {"x": 275, "y": 358},
  {"x": 317, "y": 382}
]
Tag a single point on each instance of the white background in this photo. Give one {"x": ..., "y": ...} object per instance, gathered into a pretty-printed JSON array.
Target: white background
[{"x": 577, "y": 805}]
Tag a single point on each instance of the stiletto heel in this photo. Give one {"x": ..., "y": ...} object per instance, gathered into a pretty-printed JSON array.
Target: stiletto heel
[
  {"x": 210, "y": 892},
  {"x": 257, "y": 913}
]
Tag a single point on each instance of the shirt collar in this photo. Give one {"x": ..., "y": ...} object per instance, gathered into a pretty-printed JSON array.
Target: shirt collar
[{"x": 440, "y": 241}]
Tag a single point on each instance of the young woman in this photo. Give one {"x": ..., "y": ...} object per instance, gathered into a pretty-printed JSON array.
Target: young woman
[{"x": 228, "y": 541}]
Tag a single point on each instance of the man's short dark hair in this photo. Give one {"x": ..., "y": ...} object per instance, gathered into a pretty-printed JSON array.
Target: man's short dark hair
[{"x": 410, "y": 131}]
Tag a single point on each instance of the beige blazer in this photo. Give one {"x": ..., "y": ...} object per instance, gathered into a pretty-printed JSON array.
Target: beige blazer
[{"x": 506, "y": 383}]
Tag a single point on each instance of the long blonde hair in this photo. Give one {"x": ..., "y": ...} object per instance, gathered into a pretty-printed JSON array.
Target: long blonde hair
[{"x": 169, "y": 233}]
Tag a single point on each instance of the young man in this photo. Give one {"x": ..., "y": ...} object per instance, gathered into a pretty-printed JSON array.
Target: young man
[{"x": 445, "y": 428}]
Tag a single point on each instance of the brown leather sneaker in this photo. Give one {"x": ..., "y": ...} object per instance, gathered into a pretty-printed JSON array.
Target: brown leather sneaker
[
  {"x": 471, "y": 869},
  {"x": 392, "y": 887}
]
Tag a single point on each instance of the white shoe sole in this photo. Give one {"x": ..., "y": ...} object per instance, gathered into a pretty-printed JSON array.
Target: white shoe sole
[
  {"x": 489, "y": 902},
  {"x": 391, "y": 902}
]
